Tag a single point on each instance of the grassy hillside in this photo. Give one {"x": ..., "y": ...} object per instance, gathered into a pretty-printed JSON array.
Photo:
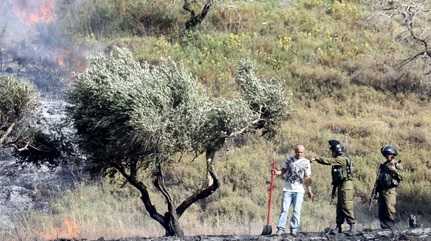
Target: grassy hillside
[{"x": 339, "y": 62}]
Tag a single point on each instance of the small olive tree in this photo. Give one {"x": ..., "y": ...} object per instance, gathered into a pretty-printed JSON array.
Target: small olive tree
[
  {"x": 18, "y": 100},
  {"x": 130, "y": 116},
  {"x": 20, "y": 129}
]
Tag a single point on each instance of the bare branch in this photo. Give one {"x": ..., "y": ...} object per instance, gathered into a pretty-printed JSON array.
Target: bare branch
[
  {"x": 145, "y": 197},
  {"x": 410, "y": 59},
  {"x": 196, "y": 19},
  {"x": 211, "y": 186},
  {"x": 7, "y": 133},
  {"x": 245, "y": 129},
  {"x": 24, "y": 148},
  {"x": 195, "y": 156},
  {"x": 159, "y": 182},
  {"x": 188, "y": 8},
  {"x": 408, "y": 17},
  {"x": 181, "y": 157},
  {"x": 171, "y": 217}
]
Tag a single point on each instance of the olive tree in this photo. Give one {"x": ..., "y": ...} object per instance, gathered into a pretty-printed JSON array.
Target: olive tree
[
  {"x": 131, "y": 116},
  {"x": 18, "y": 100}
]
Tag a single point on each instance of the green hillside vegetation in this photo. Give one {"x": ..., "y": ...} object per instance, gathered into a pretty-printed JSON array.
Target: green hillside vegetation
[{"x": 340, "y": 62}]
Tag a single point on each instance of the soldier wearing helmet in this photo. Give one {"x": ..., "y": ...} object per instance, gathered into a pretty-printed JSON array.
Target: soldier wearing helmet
[
  {"x": 342, "y": 185},
  {"x": 388, "y": 180}
]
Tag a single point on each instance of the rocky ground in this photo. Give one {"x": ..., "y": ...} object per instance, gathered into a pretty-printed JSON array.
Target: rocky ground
[{"x": 381, "y": 235}]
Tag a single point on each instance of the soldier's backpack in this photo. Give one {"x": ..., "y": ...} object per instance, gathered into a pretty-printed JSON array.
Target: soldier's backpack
[
  {"x": 338, "y": 174},
  {"x": 341, "y": 173}
]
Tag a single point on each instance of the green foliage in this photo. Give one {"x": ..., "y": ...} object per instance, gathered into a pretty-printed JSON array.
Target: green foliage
[
  {"x": 18, "y": 99},
  {"x": 124, "y": 109},
  {"x": 18, "y": 103},
  {"x": 268, "y": 98}
]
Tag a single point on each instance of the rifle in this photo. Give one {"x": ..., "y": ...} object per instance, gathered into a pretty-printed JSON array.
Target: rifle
[
  {"x": 374, "y": 191},
  {"x": 333, "y": 193}
]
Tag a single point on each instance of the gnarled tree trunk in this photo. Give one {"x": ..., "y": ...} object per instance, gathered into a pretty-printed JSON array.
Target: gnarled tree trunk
[{"x": 170, "y": 220}]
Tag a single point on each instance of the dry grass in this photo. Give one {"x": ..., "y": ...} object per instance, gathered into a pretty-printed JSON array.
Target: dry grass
[{"x": 359, "y": 120}]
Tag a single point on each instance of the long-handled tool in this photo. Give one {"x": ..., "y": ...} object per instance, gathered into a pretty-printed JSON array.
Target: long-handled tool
[{"x": 267, "y": 229}]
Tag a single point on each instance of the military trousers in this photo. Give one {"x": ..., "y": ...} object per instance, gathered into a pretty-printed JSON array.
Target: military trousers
[
  {"x": 345, "y": 203},
  {"x": 387, "y": 211}
]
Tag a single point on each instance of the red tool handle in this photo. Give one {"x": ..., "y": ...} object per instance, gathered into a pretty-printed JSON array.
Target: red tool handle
[{"x": 271, "y": 187}]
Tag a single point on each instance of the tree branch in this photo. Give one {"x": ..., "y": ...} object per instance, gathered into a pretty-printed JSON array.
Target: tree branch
[
  {"x": 159, "y": 182},
  {"x": 24, "y": 148},
  {"x": 171, "y": 217},
  {"x": 196, "y": 155},
  {"x": 410, "y": 59},
  {"x": 145, "y": 197},
  {"x": 245, "y": 129},
  {"x": 408, "y": 16},
  {"x": 211, "y": 186},
  {"x": 196, "y": 19},
  {"x": 188, "y": 8},
  {"x": 7, "y": 133}
]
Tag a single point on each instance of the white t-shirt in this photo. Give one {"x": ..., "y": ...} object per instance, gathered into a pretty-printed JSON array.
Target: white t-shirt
[{"x": 296, "y": 170}]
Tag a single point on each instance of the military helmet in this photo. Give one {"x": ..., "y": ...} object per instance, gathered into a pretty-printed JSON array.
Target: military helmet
[
  {"x": 388, "y": 150},
  {"x": 336, "y": 147}
]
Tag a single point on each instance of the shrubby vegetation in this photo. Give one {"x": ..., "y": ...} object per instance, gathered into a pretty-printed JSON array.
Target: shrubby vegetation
[
  {"x": 20, "y": 125},
  {"x": 17, "y": 103}
]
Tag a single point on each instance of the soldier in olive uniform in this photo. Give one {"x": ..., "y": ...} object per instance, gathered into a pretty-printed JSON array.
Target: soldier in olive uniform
[
  {"x": 388, "y": 180},
  {"x": 341, "y": 183}
]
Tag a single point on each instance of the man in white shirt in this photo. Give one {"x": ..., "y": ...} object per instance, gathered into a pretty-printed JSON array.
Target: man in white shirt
[{"x": 296, "y": 173}]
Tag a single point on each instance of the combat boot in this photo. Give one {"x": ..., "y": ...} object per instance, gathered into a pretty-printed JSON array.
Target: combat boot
[
  {"x": 352, "y": 229},
  {"x": 336, "y": 230},
  {"x": 340, "y": 229}
]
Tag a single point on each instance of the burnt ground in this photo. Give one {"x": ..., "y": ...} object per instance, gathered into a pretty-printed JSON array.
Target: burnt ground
[
  {"x": 25, "y": 186},
  {"x": 383, "y": 235}
]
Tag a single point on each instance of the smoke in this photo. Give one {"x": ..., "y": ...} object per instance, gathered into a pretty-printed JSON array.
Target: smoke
[
  {"x": 34, "y": 45},
  {"x": 28, "y": 24}
]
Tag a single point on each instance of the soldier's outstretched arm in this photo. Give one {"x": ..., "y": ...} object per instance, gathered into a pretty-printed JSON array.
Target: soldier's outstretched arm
[{"x": 323, "y": 161}]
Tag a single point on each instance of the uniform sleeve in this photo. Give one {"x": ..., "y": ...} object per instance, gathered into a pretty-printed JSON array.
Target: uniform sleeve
[
  {"x": 339, "y": 160},
  {"x": 325, "y": 161}
]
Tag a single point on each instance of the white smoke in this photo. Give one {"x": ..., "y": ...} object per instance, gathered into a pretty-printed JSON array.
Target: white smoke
[
  {"x": 16, "y": 24},
  {"x": 33, "y": 44}
]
